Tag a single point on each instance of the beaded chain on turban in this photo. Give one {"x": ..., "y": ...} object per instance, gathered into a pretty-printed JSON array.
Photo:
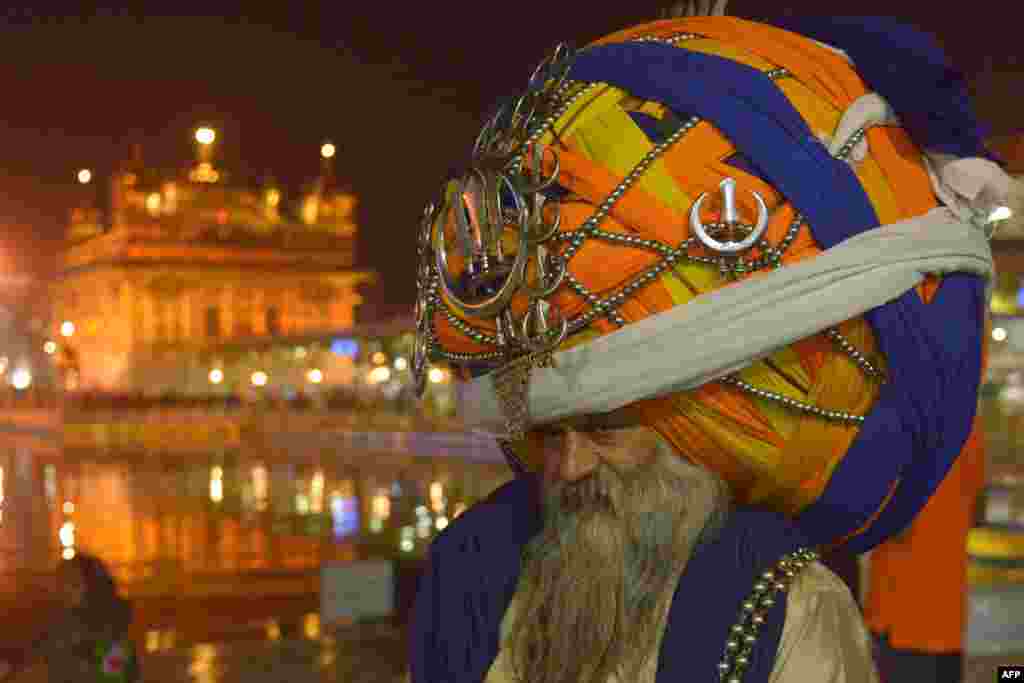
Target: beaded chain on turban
[{"x": 506, "y": 191}]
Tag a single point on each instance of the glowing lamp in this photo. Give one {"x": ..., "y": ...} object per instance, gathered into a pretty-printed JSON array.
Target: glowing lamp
[
  {"x": 379, "y": 374},
  {"x": 205, "y": 135},
  {"x": 67, "y": 534},
  {"x": 21, "y": 378}
]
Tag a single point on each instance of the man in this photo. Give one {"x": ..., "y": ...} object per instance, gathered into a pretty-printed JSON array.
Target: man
[
  {"x": 622, "y": 517},
  {"x": 694, "y": 253}
]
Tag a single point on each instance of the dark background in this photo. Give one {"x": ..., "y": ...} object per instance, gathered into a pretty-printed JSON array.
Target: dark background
[{"x": 400, "y": 88}]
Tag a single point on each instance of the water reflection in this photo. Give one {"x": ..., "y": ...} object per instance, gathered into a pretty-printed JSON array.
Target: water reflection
[
  {"x": 221, "y": 551},
  {"x": 351, "y": 653},
  {"x": 328, "y": 655},
  {"x": 311, "y": 626},
  {"x": 204, "y": 664},
  {"x": 157, "y": 519},
  {"x": 273, "y": 630},
  {"x": 169, "y": 640}
]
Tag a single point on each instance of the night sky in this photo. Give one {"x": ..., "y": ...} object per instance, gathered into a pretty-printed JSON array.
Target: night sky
[{"x": 400, "y": 88}]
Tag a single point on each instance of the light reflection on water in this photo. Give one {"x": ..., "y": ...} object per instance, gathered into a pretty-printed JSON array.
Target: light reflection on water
[
  {"x": 167, "y": 540},
  {"x": 158, "y": 517},
  {"x": 273, "y": 630},
  {"x": 352, "y": 654},
  {"x": 311, "y": 626},
  {"x": 204, "y": 664},
  {"x": 328, "y": 653},
  {"x": 165, "y": 640},
  {"x": 161, "y": 640}
]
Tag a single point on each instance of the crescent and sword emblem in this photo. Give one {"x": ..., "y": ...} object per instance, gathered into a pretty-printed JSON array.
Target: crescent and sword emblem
[{"x": 730, "y": 223}]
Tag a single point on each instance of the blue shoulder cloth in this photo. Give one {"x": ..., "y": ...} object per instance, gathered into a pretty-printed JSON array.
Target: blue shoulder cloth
[
  {"x": 470, "y": 580},
  {"x": 474, "y": 569},
  {"x": 717, "y": 580}
]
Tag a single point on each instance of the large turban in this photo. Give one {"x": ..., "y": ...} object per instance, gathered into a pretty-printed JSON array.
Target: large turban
[{"x": 770, "y": 109}]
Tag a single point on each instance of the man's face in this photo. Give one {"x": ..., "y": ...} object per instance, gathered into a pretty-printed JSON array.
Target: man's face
[
  {"x": 621, "y": 516},
  {"x": 575, "y": 449}
]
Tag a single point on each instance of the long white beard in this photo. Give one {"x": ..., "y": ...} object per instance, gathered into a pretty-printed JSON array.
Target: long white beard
[{"x": 598, "y": 579}]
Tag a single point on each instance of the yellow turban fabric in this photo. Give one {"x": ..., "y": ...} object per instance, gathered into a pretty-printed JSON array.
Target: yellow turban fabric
[{"x": 769, "y": 454}]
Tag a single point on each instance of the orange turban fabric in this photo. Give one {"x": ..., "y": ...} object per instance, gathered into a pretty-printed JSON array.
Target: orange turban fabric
[{"x": 770, "y": 454}]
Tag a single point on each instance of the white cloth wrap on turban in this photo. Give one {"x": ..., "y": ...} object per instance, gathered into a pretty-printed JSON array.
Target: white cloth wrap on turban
[{"x": 721, "y": 332}]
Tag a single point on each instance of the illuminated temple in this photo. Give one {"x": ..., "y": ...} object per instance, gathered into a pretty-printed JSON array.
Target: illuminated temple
[
  {"x": 176, "y": 264},
  {"x": 217, "y": 407}
]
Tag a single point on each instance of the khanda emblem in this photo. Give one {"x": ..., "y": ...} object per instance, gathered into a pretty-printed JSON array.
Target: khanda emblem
[{"x": 731, "y": 237}]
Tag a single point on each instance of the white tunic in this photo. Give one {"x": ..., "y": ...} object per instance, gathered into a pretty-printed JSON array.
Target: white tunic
[{"x": 824, "y": 638}]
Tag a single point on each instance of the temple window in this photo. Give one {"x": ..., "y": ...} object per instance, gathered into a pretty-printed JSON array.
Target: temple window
[
  {"x": 273, "y": 321},
  {"x": 212, "y": 321}
]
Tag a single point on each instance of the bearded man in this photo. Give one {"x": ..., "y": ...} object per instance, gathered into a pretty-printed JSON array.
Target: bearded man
[
  {"x": 623, "y": 515},
  {"x": 719, "y": 290}
]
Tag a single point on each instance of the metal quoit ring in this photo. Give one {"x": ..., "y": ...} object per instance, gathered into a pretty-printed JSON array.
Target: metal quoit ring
[
  {"x": 730, "y": 216},
  {"x": 544, "y": 341},
  {"x": 492, "y": 305}
]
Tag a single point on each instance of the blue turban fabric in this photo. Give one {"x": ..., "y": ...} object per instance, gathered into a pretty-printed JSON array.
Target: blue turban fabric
[{"x": 924, "y": 414}]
